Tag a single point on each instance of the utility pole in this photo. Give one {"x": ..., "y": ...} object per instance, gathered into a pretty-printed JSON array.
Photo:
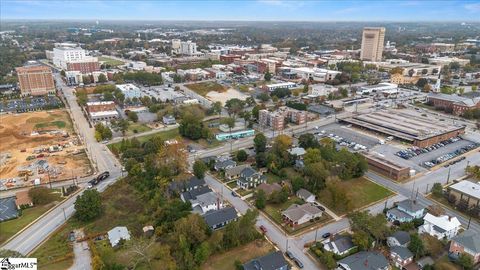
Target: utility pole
[
  {"x": 469, "y": 220},
  {"x": 448, "y": 177},
  {"x": 426, "y": 190},
  {"x": 64, "y": 215},
  {"x": 316, "y": 232},
  {"x": 286, "y": 247}
]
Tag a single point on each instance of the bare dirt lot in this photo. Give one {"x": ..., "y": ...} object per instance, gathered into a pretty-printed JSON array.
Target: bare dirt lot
[{"x": 26, "y": 141}]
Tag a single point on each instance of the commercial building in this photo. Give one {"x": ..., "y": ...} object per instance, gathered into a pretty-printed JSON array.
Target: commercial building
[
  {"x": 321, "y": 90},
  {"x": 283, "y": 85},
  {"x": 372, "y": 43},
  {"x": 405, "y": 126},
  {"x": 129, "y": 90},
  {"x": 102, "y": 110},
  {"x": 387, "y": 167},
  {"x": 314, "y": 74},
  {"x": 454, "y": 104},
  {"x": 379, "y": 88},
  {"x": 35, "y": 80},
  {"x": 466, "y": 192},
  {"x": 442, "y": 61}
]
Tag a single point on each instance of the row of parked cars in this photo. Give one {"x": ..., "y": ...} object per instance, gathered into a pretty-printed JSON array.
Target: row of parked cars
[
  {"x": 450, "y": 156},
  {"x": 342, "y": 141},
  {"x": 416, "y": 151}
]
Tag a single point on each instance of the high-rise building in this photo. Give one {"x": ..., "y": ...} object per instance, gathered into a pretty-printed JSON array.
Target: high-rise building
[
  {"x": 35, "y": 80},
  {"x": 372, "y": 43},
  {"x": 64, "y": 55}
]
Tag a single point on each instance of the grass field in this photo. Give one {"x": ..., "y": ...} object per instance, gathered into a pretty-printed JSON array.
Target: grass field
[
  {"x": 11, "y": 227},
  {"x": 166, "y": 135},
  {"x": 58, "y": 124},
  {"x": 204, "y": 87},
  {"x": 245, "y": 253},
  {"x": 360, "y": 191},
  {"x": 110, "y": 61},
  {"x": 139, "y": 128}
]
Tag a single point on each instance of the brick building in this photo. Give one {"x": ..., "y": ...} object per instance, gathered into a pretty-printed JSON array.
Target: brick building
[
  {"x": 387, "y": 168},
  {"x": 454, "y": 104},
  {"x": 229, "y": 58},
  {"x": 100, "y": 106},
  {"x": 35, "y": 80},
  {"x": 83, "y": 66},
  {"x": 276, "y": 120}
]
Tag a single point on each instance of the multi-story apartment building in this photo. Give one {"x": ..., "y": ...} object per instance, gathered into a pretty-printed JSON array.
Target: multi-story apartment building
[
  {"x": 64, "y": 55},
  {"x": 372, "y": 43},
  {"x": 87, "y": 65},
  {"x": 35, "y": 80},
  {"x": 274, "y": 120}
]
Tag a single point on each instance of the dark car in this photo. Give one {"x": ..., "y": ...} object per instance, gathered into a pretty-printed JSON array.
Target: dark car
[
  {"x": 326, "y": 235},
  {"x": 298, "y": 263},
  {"x": 289, "y": 255},
  {"x": 263, "y": 229},
  {"x": 234, "y": 194}
]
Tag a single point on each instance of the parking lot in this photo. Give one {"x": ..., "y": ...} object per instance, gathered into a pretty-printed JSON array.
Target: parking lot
[
  {"x": 344, "y": 135},
  {"x": 8, "y": 209},
  {"x": 31, "y": 104}
]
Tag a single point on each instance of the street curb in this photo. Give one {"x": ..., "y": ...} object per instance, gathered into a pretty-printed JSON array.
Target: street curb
[{"x": 40, "y": 217}]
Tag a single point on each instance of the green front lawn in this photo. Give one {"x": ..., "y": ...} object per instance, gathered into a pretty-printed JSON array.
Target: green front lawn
[
  {"x": 360, "y": 192},
  {"x": 165, "y": 135},
  {"x": 135, "y": 128},
  {"x": 11, "y": 227}
]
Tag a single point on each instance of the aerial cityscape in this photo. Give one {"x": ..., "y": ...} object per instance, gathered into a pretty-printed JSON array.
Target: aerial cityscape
[{"x": 248, "y": 134}]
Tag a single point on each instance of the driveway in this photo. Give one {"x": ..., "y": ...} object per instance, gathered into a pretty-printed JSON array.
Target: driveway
[{"x": 82, "y": 260}]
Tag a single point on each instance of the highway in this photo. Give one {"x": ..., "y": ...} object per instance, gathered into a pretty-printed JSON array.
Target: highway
[{"x": 27, "y": 240}]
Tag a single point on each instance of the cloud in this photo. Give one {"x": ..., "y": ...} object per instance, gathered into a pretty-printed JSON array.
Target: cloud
[{"x": 472, "y": 7}]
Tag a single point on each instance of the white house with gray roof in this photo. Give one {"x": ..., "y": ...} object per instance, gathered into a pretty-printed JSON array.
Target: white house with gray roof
[
  {"x": 299, "y": 214},
  {"x": 219, "y": 218},
  {"x": 406, "y": 211},
  {"x": 442, "y": 227},
  {"x": 117, "y": 234},
  {"x": 305, "y": 195},
  {"x": 398, "y": 238},
  {"x": 340, "y": 244},
  {"x": 250, "y": 178},
  {"x": 364, "y": 260}
]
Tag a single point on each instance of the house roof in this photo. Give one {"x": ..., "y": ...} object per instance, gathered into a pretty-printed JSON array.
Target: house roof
[
  {"x": 192, "y": 194},
  {"x": 410, "y": 205},
  {"x": 118, "y": 233},
  {"x": 248, "y": 172},
  {"x": 402, "y": 237},
  {"x": 272, "y": 261},
  {"x": 213, "y": 218},
  {"x": 365, "y": 260},
  {"x": 402, "y": 252},
  {"x": 469, "y": 239},
  {"x": 297, "y": 151},
  {"x": 190, "y": 183},
  {"x": 224, "y": 164},
  {"x": 269, "y": 188},
  {"x": 304, "y": 194},
  {"x": 425, "y": 261},
  {"x": 445, "y": 222},
  {"x": 343, "y": 243},
  {"x": 398, "y": 214},
  {"x": 466, "y": 187},
  {"x": 236, "y": 170},
  {"x": 295, "y": 212}
]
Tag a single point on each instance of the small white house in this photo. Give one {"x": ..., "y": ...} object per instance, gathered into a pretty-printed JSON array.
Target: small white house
[
  {"x": 306, "y": 195},
  {"x": 440, "y": 227},
  {"x": 118, "y": 233}
]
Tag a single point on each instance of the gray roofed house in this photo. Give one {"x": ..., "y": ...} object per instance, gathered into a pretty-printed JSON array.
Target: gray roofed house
[
  {"x": 118, "y": 233},
  {"x": 192, "y": 194},
  {"x": 305, "y": 195},
  {"x": 364, "y": 260},
  {"x": 219, "y": 218},
  {"x": 299, "y": 214},
  {"x": 250, "y": 178},
  {"x": 233, "y": 173},
  {"x": 340, "y": 244},
  {"x": 424, "y": 261},
  {"x": 186, "y": 185},
  {"x": 269, "y": 188},
  {"x": 406, "y": 211},
  {"x": 272, "y": 261},
  {"x": 225, "y": 164},
  {"x": 297, "y": 151},
  {"x": 466, "y": 242},
  {"x": 399, "y": 238},
  {"x": 401, "y": 256}
]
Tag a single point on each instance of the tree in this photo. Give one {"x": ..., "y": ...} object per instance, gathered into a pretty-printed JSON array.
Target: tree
[
  {"x": 308, "y": 140},
  {"x": 86, "y": 79},
  {"x": 416, "y": 245},
  {"x": 242, "y": 155},
  {"x": 260, "y": 142},
  {"x": 421, "y": 83},
  {"x": 437, "y": 189},
  {"x": 229, "y": 122},
  {"x": 411, "y": 72},
  {"x": 362, "y": 240},
  {"x": 396, "y": 70},
  {"x": 199, "y": 168},
  {"x": 234, "y": 106},
  {"x": 41, "y": 195},
  {"x": 267, "y": 76},
  {"x": 260, "y": 199},
  {"x": 217, "y": 107},
  {"x": 474, "y": 88},
  {"x": 261, "y": 159},
  {"x": 132, "y": 116},
  {"x": 465, "y": 261},
  {"x": 88, "y": 206},
  {"x": 123, "y": 125},
  {"x": 102, "y": 78},
  {"x": 62, "y": 73},
  {"x": 263, "y": 97}
]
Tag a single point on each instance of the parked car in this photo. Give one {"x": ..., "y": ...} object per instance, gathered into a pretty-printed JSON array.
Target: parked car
[
  {"x": 289, "y": 255},
  {"x": 263, "y": 229},
  {"x": 298, "y": 263},
  {"x": 326, "y": 235}
]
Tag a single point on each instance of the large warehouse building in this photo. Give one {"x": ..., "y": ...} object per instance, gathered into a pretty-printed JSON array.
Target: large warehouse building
[{"x": 406, "y": 126}]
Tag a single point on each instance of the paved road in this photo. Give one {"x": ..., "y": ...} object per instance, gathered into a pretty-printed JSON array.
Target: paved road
[
  {"x": 83, "y": 259},
  {"x": 33, "y": 236}
]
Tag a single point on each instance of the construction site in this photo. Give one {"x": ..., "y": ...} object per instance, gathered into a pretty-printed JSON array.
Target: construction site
[{"x": 40, "y": 147}]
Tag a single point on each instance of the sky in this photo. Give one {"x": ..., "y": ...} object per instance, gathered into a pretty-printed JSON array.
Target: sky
[{"x": 243, "y": 10}]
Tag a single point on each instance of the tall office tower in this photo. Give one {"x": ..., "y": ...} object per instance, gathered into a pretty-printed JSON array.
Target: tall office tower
[{"x": 372, "y": 43}]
